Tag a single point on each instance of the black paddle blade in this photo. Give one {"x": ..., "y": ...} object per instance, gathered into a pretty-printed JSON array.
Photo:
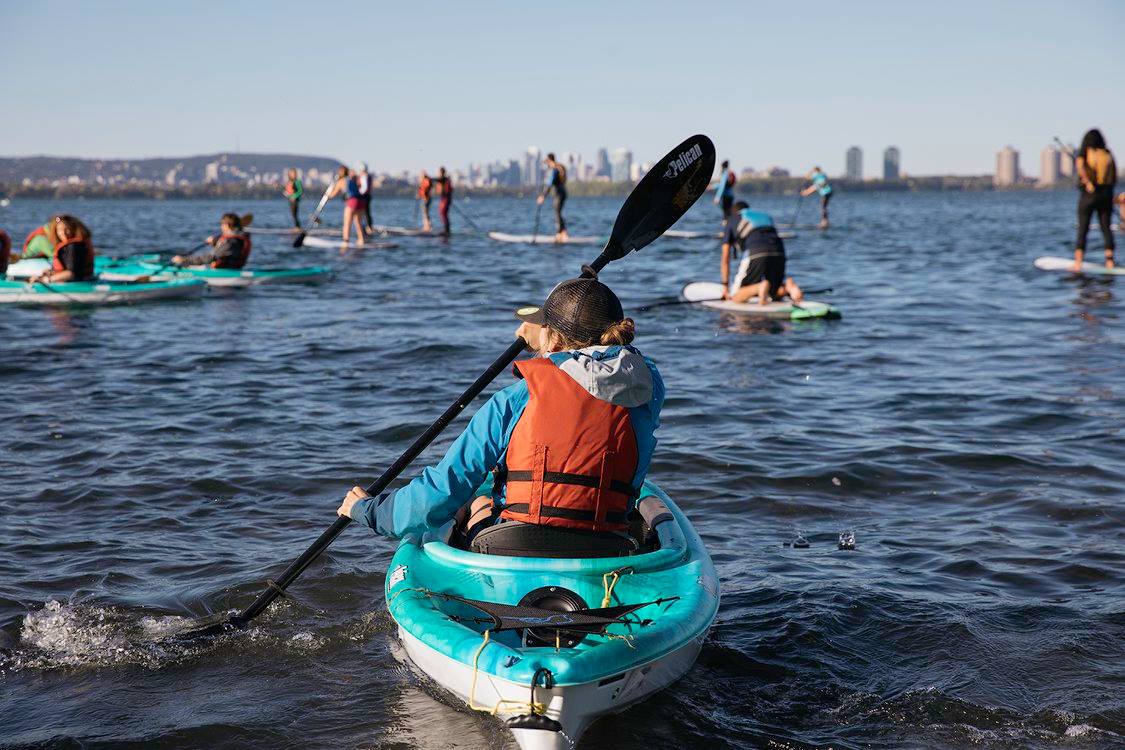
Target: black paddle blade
[
  {"x": 204, "y": 627},
  {"x": 300, "y": 240},
  {"x": 662, "y": 196}
]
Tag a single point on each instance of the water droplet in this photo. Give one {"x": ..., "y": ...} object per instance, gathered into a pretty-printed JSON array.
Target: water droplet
[{"x": 836, "y": 481}]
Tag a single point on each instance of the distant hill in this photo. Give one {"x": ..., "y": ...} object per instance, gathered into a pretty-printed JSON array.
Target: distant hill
[{"x": 221, "y": 168}]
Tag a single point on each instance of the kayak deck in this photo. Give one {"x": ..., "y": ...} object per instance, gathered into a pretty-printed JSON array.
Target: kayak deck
[
  {"x": 97, "y": 292},
  {"x": 709, "y": 294}
]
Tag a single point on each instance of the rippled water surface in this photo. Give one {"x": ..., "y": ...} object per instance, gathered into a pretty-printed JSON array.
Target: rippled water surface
[{"x": 964, "y": 419}]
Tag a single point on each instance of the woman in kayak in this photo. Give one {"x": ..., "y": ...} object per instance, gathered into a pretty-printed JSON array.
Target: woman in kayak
[
  {"x": 1097, "y": 174},
  {"x": 556, "y": 182},
  {"x": 820, "y": 185},
  {"x": 293, "y": 192},
  {"x": 761, "y": 268},
  {"x": 425, "y": 190},
  {"x": 40, "y": 243},
  {"x": 571, "y": 440},
  {"x": 72, "y": 258},
  {"x": 347, "y": 185},
  {"x": 229, "y": 249}
]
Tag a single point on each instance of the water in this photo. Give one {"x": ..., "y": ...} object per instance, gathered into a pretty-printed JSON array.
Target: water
[{"x": 963, "y": 420}]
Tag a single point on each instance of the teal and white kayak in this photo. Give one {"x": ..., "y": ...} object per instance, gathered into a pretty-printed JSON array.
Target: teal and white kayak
[
  {"x": 337, "y": 243},
  {"x": 1056, "y": 263},
  {"x": 594, "y": 635},
  {"x": 710, "y": 293},
  {"x": 542, "y": 239},
  {"x": 97, "y": 292},
  {"x": 125, "y": 270}
]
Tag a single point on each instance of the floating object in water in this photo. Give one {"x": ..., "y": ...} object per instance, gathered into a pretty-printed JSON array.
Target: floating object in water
[{"x": 847, "y": 540}]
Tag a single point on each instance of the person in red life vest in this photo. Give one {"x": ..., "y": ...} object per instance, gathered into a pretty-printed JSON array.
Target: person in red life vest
[
  {"x": 571, "y": 441},
  {"x": 73, "y": 257},
  {"x": 425, "y": 190},
  {"x": 229, "y": 249},
  {"x": 444, "y": 188}
]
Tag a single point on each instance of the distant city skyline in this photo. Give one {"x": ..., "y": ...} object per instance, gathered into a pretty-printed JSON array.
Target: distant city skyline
[{"x": 471, "y": 83}]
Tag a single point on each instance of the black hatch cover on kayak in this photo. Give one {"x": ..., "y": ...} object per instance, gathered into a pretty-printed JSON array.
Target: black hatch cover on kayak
[{"x": 517, "y": 617}]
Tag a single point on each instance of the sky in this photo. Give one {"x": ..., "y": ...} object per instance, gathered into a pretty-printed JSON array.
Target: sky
[{"x": 416, "y": 84}]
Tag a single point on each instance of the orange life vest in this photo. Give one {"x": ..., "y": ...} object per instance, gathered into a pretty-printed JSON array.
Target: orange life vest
[
  {"x": 572, "y": 457},
  {"x": 245, "y": 256},
  {"x": 424, "y": 188},
  {"x": 39, "y": 232},
  {"x": 86, "y": 269}
]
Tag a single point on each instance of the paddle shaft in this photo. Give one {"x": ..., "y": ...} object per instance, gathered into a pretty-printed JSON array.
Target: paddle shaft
[
  {"x": 796, "y": 209},
  {"x": 315, "y": 218},
  {"x": 465, "y": 216},
  {"x": 298, "y": 566},
  {"x": 535, "y": 231}
]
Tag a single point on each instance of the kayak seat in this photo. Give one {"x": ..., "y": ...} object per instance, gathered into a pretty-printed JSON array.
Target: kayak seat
[{"x": 516, "y": 539}]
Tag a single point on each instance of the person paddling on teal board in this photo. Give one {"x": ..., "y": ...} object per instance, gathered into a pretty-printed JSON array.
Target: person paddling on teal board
[
  {"x": 293, "y": 192},
  {"x": 820, "y": 185},
  {"x": 761, "y": 267},
  {"x": 556, "y": 183},
  {"x": 571, "y": 440},
  {"x": 724, "y": 190}
]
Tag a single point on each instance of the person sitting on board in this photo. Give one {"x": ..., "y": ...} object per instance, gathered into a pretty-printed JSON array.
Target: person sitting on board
[
  {"x": 556, "y": 181},
  {"x": 1097, "y": 174},
  {"x": 761, "y": 267},
  {"x": 40, "y": 243},
  {"x": 724, "y": 190},
  {"x": 571, "y": 440},
  {"x": 347, "y": 185},
  {"x": 425, "y": 196},
  {"x": 444, "y": 188},
  {"x": 72, "y": 258},
  {"x": 293, "y": 192},
  {"x": 229, "y": 249},
  {"x": 820, "y": 185}
]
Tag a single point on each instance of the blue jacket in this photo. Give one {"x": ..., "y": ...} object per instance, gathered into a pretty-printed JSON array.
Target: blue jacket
[{"x": 617, "y": 374}]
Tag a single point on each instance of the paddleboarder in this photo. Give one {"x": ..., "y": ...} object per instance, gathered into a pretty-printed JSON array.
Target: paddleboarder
[
  {"x": 820, "y": 185},
  {"x": 347, "y": 186},
  {"x": 571, "y": 440},
  {"x": 1097, "y": 174},
  {"x": 425, "y": 196},
  {"x": 443, "y": 186},
  {"x": 293, "y": 191},
  {"x": 363, "y": 179},
  {"x": 230, "y": 248},
  {"x": 761, "y": 268},
  {"x": 72, "y": 257},
  {"x": 724, "y": 190},
  {"x": 556, "y": 183}
]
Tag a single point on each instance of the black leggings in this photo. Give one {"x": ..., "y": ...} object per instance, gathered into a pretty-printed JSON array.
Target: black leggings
[
  {"x": 824, "y": 206},
  {"x": 293, "y": 212},
  {"x": 560, "y": 199},
  {"x": 1101, "y": 200}
]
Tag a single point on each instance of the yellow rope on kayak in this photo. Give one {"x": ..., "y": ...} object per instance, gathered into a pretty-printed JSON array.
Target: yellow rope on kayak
[
  {"x": 511, "y": 705},
  {"x": 608, "y": 584}
]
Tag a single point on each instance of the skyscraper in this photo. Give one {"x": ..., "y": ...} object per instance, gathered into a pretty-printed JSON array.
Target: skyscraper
[
  {"x": 621, "y": 164},
  {"x": 890, "y": 163},
  {"x": 1007, "y": 167},
  {"x": 531, "y": 167},
  {"x": 854, "y": 169},
  {"x": 1049, "y": 164},
  {"x": 1066, "y": 165},
  {"x": 603, "y": 163}
]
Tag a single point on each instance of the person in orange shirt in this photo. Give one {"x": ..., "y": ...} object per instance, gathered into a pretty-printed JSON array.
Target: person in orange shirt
[{"x": 425, "y": 196}]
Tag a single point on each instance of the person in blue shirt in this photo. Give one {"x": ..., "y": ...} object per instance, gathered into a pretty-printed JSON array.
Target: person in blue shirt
[
  {"x": 761, "y": 267},
  {"x": 587, "y": 405},
  {"x": 556, "y": 182},
  {"x": 820, "y": 185},
  {"x": 724, "y": 190}
]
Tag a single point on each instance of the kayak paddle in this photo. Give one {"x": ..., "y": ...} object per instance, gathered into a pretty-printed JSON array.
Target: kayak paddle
[
  {"x": 315, "y": 220},
  {"x": 655, "y": 204}
]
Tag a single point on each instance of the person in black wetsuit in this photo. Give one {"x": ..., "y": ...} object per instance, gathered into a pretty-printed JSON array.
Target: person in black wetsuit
[
  {"x": 1097, "y": 174},
  {"x": 556, "y": 181},
  {"x": 73, "y": 258}
]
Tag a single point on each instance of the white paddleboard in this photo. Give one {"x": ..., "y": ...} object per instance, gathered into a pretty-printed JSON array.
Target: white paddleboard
[
  {"x": 542, "y": 239},
  {"x": 1055, "y": 263},
  {"x": 709, "y": 294},
  {"x": 335, "y": 243},
  {"x": 680, "y": 234},
  {"x": 405, "y": 231}
]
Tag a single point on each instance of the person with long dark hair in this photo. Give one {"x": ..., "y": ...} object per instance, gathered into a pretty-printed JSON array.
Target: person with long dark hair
[{"x": 1097, "y": 174}]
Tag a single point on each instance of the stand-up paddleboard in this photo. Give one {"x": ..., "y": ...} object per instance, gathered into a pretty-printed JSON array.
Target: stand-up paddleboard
[
  {"x": 1055, "y": 263},
  {"x": 335, "y": 243},
  {"x": 680, "y": 234},
  {"x": 405, "y": 231},
  {"x": 282, "y": 231},
  {"x": 542, "y": 239},
  {"x": 710, "y": 293}
]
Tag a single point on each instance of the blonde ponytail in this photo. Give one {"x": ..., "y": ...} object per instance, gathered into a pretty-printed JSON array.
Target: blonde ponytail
[{"x": 620, "y": 333}]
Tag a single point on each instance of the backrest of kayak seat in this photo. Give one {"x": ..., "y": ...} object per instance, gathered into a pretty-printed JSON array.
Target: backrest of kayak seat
[
  {"x": 653, "y": 512},
  {"x": 515, "y": 539}
]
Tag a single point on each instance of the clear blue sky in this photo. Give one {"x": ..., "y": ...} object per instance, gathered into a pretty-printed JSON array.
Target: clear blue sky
[{"x": 407, "y": 84}]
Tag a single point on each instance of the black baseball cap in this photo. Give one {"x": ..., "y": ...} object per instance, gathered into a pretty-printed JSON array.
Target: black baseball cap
[{"x": 581, "y": 308}]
